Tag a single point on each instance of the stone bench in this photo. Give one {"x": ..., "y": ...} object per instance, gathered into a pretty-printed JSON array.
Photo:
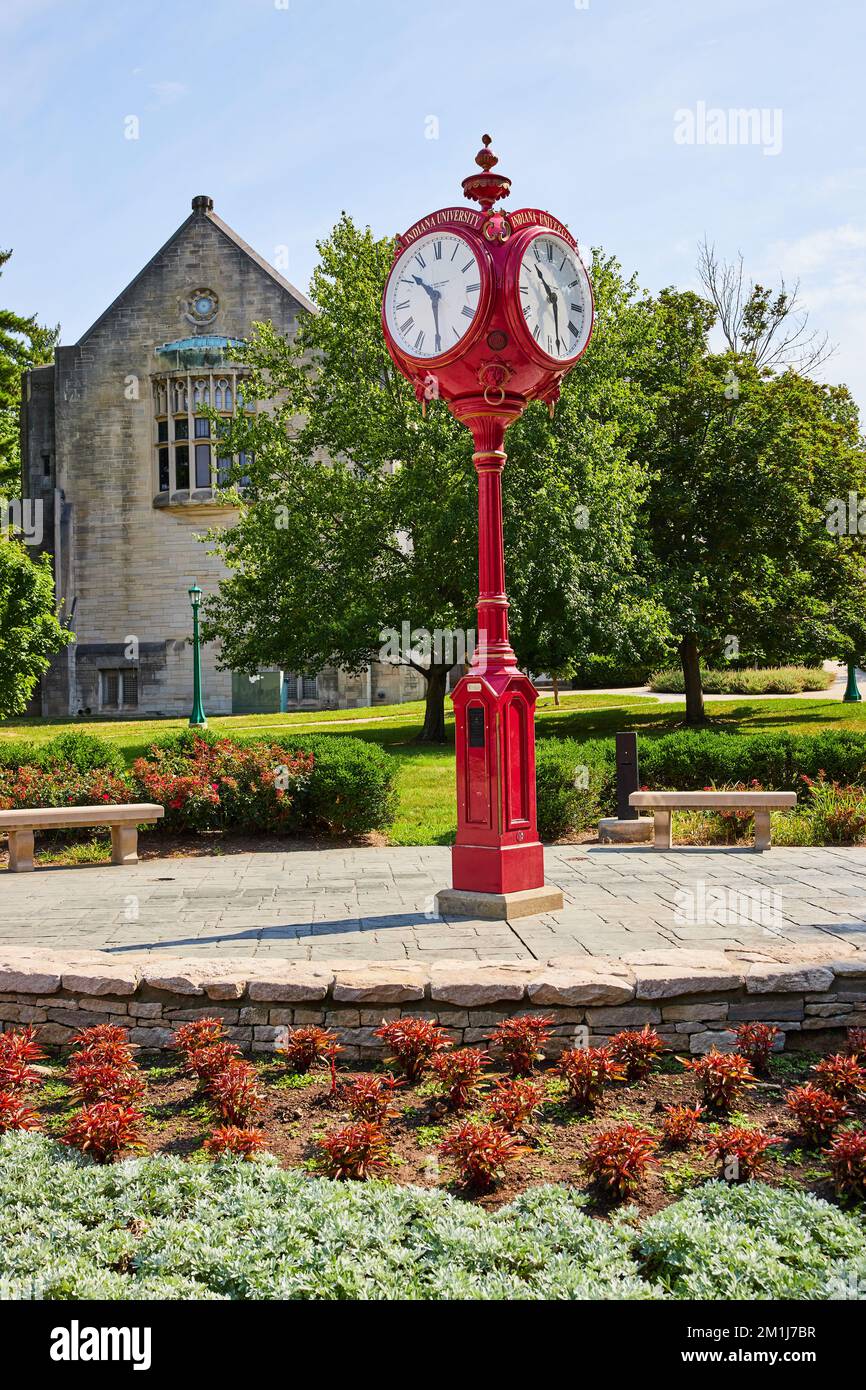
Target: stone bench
[
  {"x": 663, "y": 804},
  {"x": 124, "y": 822}
]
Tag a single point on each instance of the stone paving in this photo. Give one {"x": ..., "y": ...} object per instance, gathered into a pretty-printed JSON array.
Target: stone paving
[{"x": 378, "y": 904}]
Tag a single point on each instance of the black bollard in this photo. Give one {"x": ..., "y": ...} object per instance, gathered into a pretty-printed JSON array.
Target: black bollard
[{"x": 626, "y": 775}]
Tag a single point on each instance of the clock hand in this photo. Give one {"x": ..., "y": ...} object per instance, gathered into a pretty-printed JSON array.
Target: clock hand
[{"x": 434, "y": 305}]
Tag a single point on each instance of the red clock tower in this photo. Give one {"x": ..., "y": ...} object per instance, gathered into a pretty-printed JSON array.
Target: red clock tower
[{"x": 487, "y": 311}]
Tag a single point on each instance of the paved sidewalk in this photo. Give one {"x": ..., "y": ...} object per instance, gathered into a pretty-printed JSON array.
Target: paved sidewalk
[{"x": 377, "y": 904}]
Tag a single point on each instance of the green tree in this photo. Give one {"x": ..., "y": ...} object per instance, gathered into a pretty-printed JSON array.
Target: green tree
[
  {"x": 23, "y": 343},
  {"x": 30, "y": 632},
  {"x": 742, "y": 465},
  {"x": 328, "y": 562}
]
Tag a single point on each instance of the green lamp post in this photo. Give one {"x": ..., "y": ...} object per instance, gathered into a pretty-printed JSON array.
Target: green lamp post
[
  {"x": 851, "y": 691},
  {"x": 198, "y": 716}
]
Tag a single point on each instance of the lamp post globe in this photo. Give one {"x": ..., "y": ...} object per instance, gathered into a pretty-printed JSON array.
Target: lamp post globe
[
  {"x": 487, "y": 311},
  {"x": 198, "y": 716}
]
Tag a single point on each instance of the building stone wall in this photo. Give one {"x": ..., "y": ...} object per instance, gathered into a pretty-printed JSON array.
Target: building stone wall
[{"x": 123, "y": 565}]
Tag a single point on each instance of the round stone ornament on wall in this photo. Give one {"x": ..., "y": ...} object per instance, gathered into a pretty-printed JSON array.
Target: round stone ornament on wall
[{"x": 201, "y": 307}]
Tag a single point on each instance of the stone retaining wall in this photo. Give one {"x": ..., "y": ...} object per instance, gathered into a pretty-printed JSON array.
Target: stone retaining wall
[{"x": 693, "y": 998}]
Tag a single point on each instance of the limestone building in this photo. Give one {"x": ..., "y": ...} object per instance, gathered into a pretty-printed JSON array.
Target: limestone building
[{"x": 127, "y": 475}]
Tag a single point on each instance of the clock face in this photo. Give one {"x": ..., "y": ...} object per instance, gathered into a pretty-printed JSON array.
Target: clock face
[
  {"x": 555, "y": 297},
  {"x": 433, "y": 294}
]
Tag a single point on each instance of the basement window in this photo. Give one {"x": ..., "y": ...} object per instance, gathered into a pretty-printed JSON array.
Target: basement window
[{"x": 118, "y": 689}]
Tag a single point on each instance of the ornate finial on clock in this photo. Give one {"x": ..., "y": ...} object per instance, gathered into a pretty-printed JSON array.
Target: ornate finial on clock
[{"x": 486, "y": 188}]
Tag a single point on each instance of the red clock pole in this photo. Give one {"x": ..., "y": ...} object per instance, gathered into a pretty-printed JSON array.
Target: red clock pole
[{"x": 530, "y": 319}]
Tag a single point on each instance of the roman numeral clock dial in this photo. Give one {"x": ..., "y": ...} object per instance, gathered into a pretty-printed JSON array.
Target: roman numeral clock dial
[
  {"x": 555, "y": 297},
  {"x": 433, "y": 294}
]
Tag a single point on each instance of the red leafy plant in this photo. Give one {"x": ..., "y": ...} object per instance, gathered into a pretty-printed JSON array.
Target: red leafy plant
[
  {"x": 234, "y": 1139},
  {"x": 481, "y": 1152},
  {"x": 204, "y": 1063},
  {"x": 370, "y": 1097},
  {"x": 636, "y": 1051},
  {"x": 846, "y": 1157},
  {"x": 818, "y": 1114},
  {"x": 104, "y": 1129},
  {"x": 357, "y": 1151},
  {"x": 618, "y": 1158},
  {"x": 741, "y": 1153},
  {"x": 460, "y": 1075},
  {"x": 305, "y": 1047},
  {"x": 856, "y": 1044},
  {"x": 680, "y": 1124},
  {"x": 201, "y": 1032},
  {"x": 513, "y": 1103},
  {"x": 106, "y": 1043},
  {"x": 413, "y": 1041},
  {"x": 15, "y": 1113},
  {"x": 586, "y": 1071},
  {"x": 236, "y": 1093},
  {"x": 18, "y": 1051},
  {"x": 756, "y": 1041},
  {"x": 841, "y": 1075},
  {"x": 521, "y": 1041},
  {"x": 721, "y": 1076},
  {"x": 96, "y": 1080}
]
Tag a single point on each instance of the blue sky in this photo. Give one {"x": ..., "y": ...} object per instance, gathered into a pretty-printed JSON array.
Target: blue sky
[{"x": 287, "y": 111}]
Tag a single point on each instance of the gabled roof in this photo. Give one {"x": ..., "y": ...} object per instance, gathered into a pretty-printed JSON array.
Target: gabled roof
[{"x": 202, "y": 206}]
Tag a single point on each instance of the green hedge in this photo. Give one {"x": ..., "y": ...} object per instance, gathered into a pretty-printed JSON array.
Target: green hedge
[
  {"x": 166, "y": 1228},
  {"x": 685, "y": 761},
  {"x": 776, "y": 680},
  {"x": 82, "y": 751}
]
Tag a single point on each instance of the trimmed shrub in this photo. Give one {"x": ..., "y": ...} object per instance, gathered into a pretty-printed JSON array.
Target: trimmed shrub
[
  {"x": 74, "y": 748},
  {"x": 352, "y": 787},
  {"x": 574, "y": 781},
  {"x": 770, "y": 680}
]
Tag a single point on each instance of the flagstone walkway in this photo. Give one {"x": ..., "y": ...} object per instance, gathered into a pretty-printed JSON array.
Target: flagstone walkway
[{"x": 378, "y": 904}]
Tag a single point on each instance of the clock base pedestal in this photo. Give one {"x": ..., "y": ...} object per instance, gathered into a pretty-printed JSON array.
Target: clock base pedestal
[{"x": 500, "y": 907}]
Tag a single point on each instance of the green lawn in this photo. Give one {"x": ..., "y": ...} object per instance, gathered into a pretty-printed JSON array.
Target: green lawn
[{"x": 426, "y": 811}]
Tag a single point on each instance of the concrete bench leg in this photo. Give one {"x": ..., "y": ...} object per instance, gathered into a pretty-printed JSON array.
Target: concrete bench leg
[
  {"x": 661, "y": 828},
  {"x": 124, "y": 844},
  {"x": 20, "y": 851},
  {"x": 762, "y": 830}
]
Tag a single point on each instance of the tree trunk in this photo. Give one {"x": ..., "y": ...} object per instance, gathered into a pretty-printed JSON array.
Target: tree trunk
[
  {"x": 691, "y": 664},
  {"x": 555, "y": 680},
  {"x": 433, "y": 730}
]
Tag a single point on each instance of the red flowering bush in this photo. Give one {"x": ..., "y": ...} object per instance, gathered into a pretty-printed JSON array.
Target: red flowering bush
[
  {"x": 841, "y": 1075},
  {"x": 618, "y": 1158},
  {"x": 847, "y": 1160},
  {"x": 304, "y": 1047},
  {"x": 512, "y": 1103},
  {"x": 741, "y": 1153},
  {"x": 204, "y": 1063},
  {"x": 520, "y": 1040},
  {"x": 481, "y": 1152},
  {"x": 218, "y": 784},
  {"x": 459, "y": 1073},
  {"x": 15, "y": 1114},
  {"x": 413, "y": 1041},
  {"x": 104, "y": 1129},
  {"x": 18, "y": 1050},
  {"x": 232, "y": 1139},
  {"x": 636, "y": 1051},
  {"x": 586, "y": 1071},
  {"x": 22, "y": 788},
  {"x": 721, "y": 1077},
  {"x": 756, "y": 1044},
  {"x": 817, "y": 1113},
  {"x": 358, "y": 1151},
  {"x": 236, "y": 1093},
  {"x": 680, "y": 1124}
]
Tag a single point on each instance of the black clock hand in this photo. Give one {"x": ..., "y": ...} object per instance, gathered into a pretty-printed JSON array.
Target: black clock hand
[
  {"x": 434, "y": 305},
  {"x": 555, "y": 317}
]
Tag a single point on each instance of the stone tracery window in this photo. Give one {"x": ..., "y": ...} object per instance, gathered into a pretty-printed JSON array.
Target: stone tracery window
[{"x": 188, "y": 457}]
